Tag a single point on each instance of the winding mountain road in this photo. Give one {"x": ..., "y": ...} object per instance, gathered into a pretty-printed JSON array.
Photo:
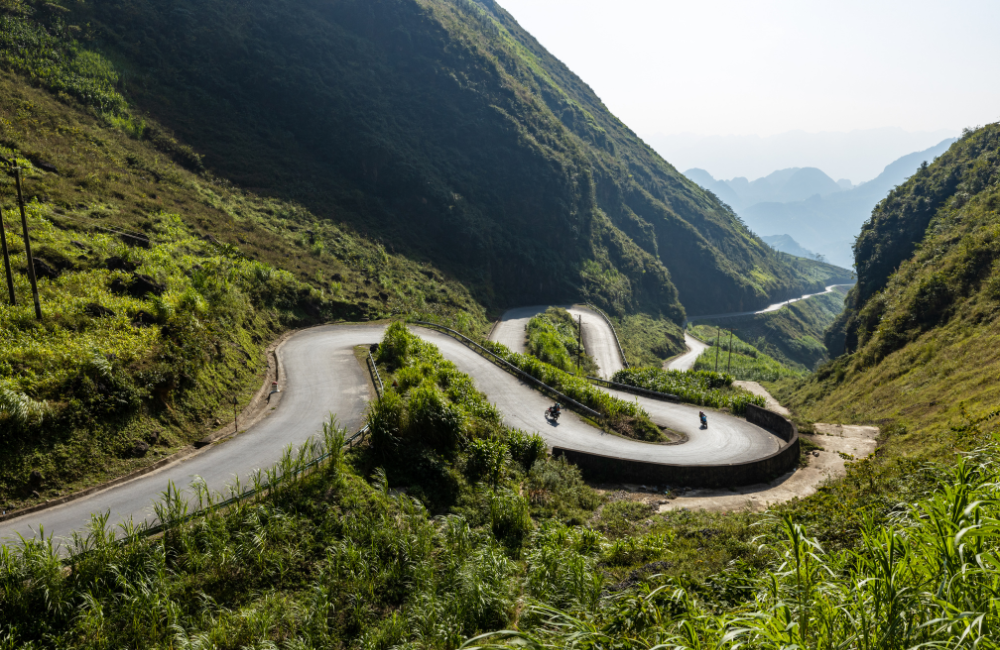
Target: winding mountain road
[
  {"x": 686, "y": 360},
  {"x": 774, "y": 307},
  {"x": 322, "y": 376}
]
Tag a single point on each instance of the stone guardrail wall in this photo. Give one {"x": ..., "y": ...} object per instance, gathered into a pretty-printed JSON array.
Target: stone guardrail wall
[{"x": 604, "y": 468}]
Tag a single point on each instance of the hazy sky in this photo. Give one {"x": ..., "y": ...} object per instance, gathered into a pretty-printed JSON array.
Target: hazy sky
[{"x": 716, "y": 67}]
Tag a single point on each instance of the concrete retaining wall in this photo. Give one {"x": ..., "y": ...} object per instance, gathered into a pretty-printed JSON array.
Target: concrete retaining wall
[{"x": 605, "y": 468}]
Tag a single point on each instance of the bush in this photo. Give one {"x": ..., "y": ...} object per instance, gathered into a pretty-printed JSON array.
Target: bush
[
  {"x": 697, "y": 387},
  {"x": 510, "y": 519},
  {"x": 553, "y": 337}
]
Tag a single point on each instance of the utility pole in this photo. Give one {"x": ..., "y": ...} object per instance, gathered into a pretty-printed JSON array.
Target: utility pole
[
  {"x": 729, "y": 364},
  {"x": 579, "y": 344},
  {"x": 6, "y": 260},
  {"x": 718, "y": 333},
  {"x": 236, "y": 415},
  {"x": 27, "y": 244}
]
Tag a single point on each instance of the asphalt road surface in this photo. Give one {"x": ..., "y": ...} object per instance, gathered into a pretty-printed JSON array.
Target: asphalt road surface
[
  {"x": 686, "y": 360},
  {"x": 322, "y": 377},
  {"x": 775, "y": 307}
]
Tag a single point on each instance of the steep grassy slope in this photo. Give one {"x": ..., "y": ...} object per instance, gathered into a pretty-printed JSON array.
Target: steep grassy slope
[
  {"x": 442, "y": 128},
  {"x": 922, "y": 322},
  {"x": 119, "y": 371},
  {"x": 794, "y": 334},
  {"x": 736, "y": 357}
]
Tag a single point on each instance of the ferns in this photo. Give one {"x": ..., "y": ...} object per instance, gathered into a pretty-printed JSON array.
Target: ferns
[{"x": 20, "y": 409}]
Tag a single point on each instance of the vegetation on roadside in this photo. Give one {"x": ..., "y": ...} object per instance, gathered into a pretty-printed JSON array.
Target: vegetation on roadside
[
  {"x": 624, "y": 417},
  {"x": 921, "y": 341},
  {"x": 737, "y": 358},
  {"x": 702, "y": 387},
  {"x": 793, "y": 335},
  {"x": 158, "y": 303},
  {"x": 330, "y": 559},
  {"x": 926, "y": 578},
  {"x": 554, "y": 337},
  {"x": 648, "y": 341}
]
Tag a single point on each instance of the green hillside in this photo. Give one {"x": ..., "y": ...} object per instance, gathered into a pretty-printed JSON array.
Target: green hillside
[
  {"x": 919, "y": 330},
  {"x": 330, "y": 160},
  {"x": 795, "y": 335},
  {"x": 438, "y": 127}
]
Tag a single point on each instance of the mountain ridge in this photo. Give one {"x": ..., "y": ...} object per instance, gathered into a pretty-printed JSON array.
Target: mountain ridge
[{"x": 538, "y": 194}]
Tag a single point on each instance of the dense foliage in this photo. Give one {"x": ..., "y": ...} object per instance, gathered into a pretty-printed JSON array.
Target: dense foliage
[
  {"x": 702, "y": 387},
  {"x": 554, "y": 337},
  {"x": 921, "y": 343},
  {"x": 928, "y": 578},
  {"x": 737, "y": 358}
]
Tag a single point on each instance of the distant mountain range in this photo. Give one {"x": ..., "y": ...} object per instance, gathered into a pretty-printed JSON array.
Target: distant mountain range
[
  {"x": 786, "y": 244},
  {"x": 817, "y": 212}
]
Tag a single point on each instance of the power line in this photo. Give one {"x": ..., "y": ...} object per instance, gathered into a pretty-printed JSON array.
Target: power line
[{"x": 121, "y": 233}]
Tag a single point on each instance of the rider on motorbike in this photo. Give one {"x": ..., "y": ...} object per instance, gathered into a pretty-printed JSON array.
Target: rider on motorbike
[
  {"x": 703, "y": 418},
  {"x": 556, "y": 410}
]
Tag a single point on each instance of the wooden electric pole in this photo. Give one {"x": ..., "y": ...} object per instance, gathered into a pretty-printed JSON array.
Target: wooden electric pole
[
  {"x": 6, "y": 260},
  {"x": 27, "y": 244},
  {"x": 718, "y": 333},
  {"x": 729, "y": 364}
]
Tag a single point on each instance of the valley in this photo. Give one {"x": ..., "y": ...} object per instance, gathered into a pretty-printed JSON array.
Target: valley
[{"x": 311, "y": 276}]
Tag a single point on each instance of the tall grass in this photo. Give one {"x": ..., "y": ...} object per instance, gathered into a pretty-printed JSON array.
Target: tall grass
[
  {"x": 738, "y": 358},
  {"x": 554, "y": 337},
  {"x": 703, "y": 388},
  {"x": 927, "y": 579}
]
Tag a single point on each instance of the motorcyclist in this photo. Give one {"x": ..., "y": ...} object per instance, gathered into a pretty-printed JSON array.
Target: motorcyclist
[
  {"x": 703, "y": 418},
  {"x": 555, "y": 411}
]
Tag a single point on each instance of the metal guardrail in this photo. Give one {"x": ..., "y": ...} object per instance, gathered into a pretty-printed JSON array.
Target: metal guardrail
[
  {"x": 376, "y": 375},
  {"x": 615, "y": 333},
  {"x": 511, "y": 368},
  {"x": 667, "y": 397}
]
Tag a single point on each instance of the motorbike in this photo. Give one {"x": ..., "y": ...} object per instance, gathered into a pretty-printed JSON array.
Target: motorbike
[
  {"x": 552, "y": 414},
  {"x": 704, "y": 421}
]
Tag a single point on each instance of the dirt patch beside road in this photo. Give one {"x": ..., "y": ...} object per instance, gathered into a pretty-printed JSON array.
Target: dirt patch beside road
[{"x": 839, "y": 442}]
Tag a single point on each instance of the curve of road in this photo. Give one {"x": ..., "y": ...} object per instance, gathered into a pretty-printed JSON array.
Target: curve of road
[
  {"x": 598, "y": 338},
  {"x": 322, "y": 376},
  {"x": 686, "y": 360},
  {"x": 696, "y": 347},
  {"x": 774, "y": 307}
]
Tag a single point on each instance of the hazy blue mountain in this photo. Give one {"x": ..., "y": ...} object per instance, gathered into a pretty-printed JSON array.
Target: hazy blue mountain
[
  {"x": 829, "y": 223},
  {"x": 859, "y": 155},
  {"x": 786, "y": 244},
  {"x": 782, "y": 186}
]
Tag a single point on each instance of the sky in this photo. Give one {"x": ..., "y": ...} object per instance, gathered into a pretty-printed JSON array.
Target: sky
[{"x": 711, "y": 68}]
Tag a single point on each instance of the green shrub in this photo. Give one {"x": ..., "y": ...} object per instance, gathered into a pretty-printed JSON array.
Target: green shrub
[
  {"x": 738, "y": 358},
  {"x": 553, "y": 337},
  {"x": 703, "y": 388},
  {"x": 510, "y": 519}
]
